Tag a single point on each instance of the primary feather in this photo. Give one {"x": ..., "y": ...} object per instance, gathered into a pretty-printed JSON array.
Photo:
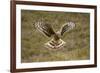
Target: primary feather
[
  {"x": 66, "y": 27},
  {"x": 45, "y": 28}
]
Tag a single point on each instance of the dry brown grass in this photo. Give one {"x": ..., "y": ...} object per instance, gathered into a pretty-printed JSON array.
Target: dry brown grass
[{"x": 32, "y": 42}]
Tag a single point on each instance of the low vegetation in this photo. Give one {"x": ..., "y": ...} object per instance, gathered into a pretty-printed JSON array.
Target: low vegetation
[{"x": 32, "y": 41}]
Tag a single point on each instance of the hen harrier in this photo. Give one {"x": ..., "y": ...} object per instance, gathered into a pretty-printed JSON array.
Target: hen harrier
[{"x": 56, "y": 41}]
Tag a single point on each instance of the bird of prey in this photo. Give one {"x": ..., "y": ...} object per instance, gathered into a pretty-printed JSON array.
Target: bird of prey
[{"x": 56, "y": 41}]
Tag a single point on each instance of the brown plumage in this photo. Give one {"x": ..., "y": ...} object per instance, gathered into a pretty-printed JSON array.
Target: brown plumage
[{"x": 47, "y": 29}]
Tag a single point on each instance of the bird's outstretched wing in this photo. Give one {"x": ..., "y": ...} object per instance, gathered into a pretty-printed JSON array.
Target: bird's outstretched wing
[
  {"x": 66, "y": 27},
  {"x": 45, "y": 28}
]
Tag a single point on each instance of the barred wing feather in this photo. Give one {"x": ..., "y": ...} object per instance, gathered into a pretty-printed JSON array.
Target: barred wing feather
[
  {"x": 67, "y": 27},
  {"x": 45, "y": 28}
]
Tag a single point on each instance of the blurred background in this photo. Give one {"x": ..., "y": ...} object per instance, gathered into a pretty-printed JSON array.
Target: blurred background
[{"x": 32, "y": 41}]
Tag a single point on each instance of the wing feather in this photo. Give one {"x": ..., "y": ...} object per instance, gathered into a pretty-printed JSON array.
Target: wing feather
[
  {"x": 45, "y": 28},
  {"x": 66, "y": 27}
]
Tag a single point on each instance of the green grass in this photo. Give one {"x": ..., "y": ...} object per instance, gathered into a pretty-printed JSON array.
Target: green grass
[{"x": 32, "y": 41}]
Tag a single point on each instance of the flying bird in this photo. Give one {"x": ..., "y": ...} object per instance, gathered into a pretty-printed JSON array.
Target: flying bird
[{"x": 56, "y": 41}]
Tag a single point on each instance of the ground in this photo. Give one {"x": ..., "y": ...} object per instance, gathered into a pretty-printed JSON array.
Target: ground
[{"x": 32, "y": 41}]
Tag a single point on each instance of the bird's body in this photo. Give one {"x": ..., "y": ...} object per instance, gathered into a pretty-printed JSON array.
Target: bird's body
[{"x": 56, "y": 41}]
